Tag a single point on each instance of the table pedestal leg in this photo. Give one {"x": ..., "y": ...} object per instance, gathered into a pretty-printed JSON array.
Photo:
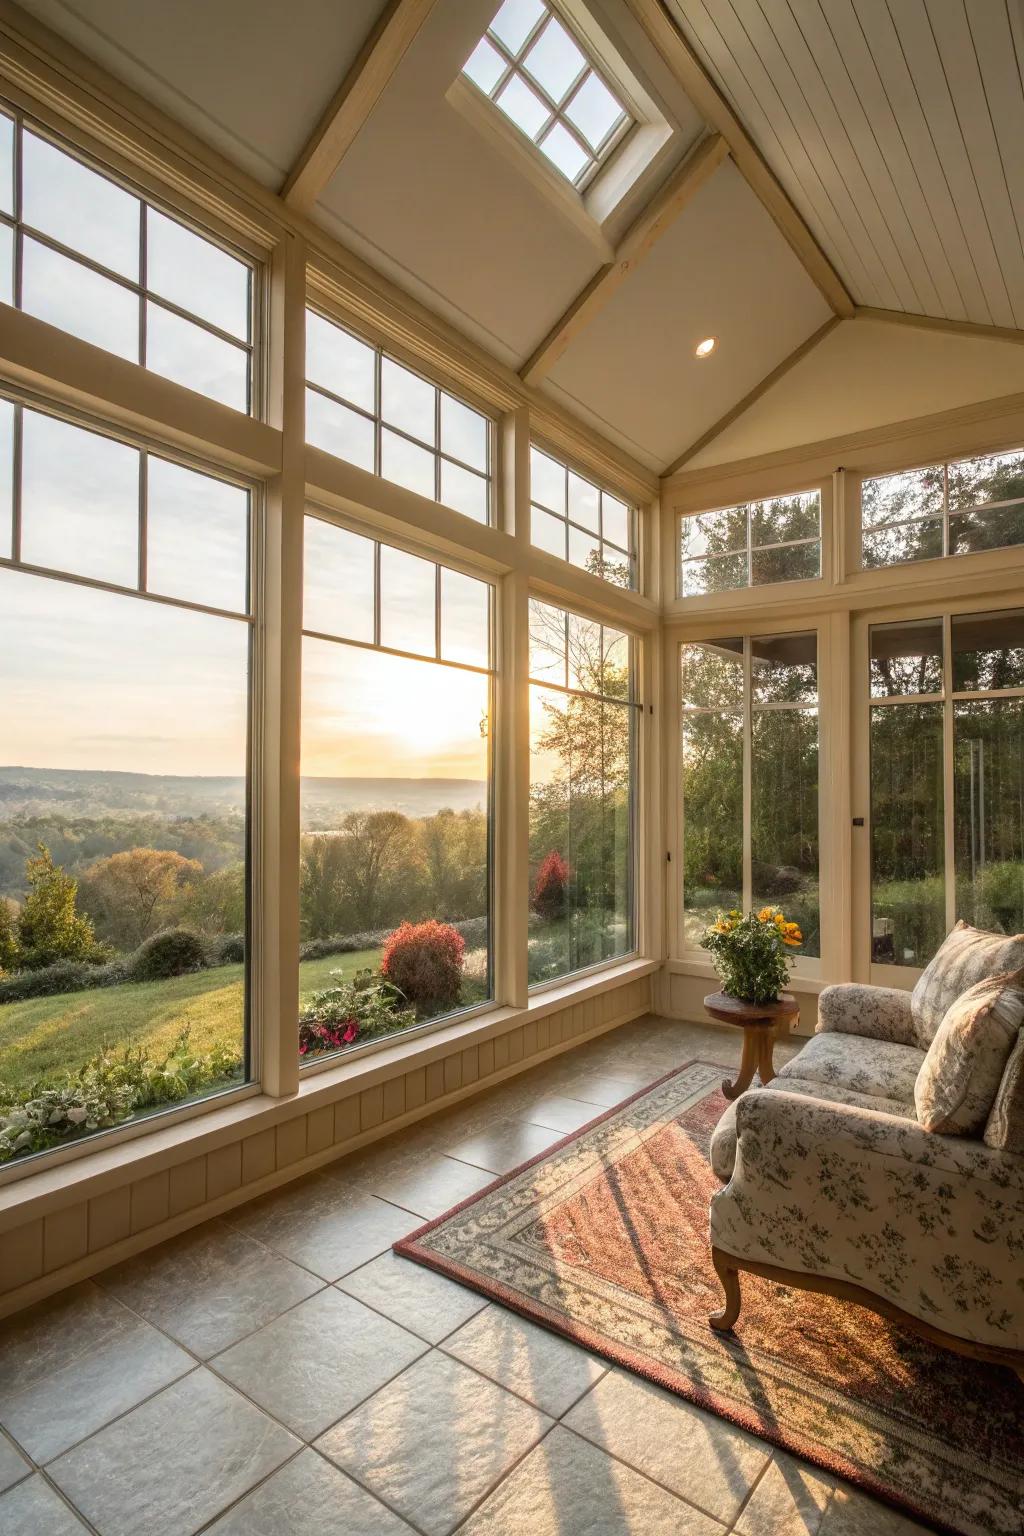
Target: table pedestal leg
[
  {"x": 748, "y": 1064},
  {"x": 765, "y": 1045}
]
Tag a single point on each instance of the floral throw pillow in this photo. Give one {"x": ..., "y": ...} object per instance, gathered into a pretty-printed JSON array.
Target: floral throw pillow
[
  {"x": 1005, "y": 1127},
  {"x": 966, "y": 955},
  {"x": 962, "y": 1071}
]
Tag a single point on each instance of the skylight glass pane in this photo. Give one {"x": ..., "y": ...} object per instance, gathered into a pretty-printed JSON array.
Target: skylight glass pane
[
  {"x": 554, "y": 60},
  {"x": 515, "y": 21},
  {"x": 564, "y": 153},
  {"x": 523, "y": 106},
  {"x": 64, "y": 199},
  {"x": 485, "y": 66},
  {"x": 594, "y": 110}
]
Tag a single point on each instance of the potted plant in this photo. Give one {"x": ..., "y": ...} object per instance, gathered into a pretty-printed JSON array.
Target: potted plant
[{"x": 752, "y": 954}]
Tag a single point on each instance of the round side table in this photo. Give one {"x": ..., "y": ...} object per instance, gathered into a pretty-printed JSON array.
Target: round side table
[{"x": 759, "y": 1022}]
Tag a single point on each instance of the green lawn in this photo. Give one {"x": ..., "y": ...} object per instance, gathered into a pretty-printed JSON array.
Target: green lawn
[{"x": 48, "y": 1036}]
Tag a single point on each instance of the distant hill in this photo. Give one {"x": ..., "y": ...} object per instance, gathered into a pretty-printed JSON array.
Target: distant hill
[{"x": 76, "y": 793}]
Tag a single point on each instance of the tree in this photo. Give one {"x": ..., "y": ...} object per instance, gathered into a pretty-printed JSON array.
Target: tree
[
  {"x": 10, "y": 950},
  {"x": 549, "y": 889},
  {"x": 133, "y": 894},
  {"x": 217, "y": 903},
  {"x": 50, "y": 928}
]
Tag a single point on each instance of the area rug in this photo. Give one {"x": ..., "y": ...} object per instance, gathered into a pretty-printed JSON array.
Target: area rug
[{"x": 603, "y": 1238}]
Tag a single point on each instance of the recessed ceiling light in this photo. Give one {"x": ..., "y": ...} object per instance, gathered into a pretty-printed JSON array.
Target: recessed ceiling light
[{"x": 706, "y": 347}]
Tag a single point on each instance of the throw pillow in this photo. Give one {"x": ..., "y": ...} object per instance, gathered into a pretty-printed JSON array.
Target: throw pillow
[
  {"x": 1005, "y": 1128},
  {"x": 966, "y": 955},
  {"x": 963, "y": 1069}
]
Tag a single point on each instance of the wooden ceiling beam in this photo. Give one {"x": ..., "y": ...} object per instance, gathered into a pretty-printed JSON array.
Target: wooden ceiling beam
[
  {"x": 681, "y": 59},
  {"x": 356, "y": 97},
  {"x": 643, "y": 234},
  {"x": 762, "y": 387},
  {"x": 973, "y": 328}
]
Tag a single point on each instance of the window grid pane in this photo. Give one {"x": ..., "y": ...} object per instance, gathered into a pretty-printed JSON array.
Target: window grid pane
[
  {"x": 98, "y": 261},
  {"x": 578, "y": 521},
  {"x": 958, "y": 507},
  {"x": 537, "y": 74},
  {"x": 752, "y": 544},
  {"x": 372, "y": 411}
]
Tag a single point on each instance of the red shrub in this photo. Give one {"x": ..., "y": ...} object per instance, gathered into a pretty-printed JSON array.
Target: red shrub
[
  {"x": 424, "y": 960},
  {"x": 549, "y": 888}
]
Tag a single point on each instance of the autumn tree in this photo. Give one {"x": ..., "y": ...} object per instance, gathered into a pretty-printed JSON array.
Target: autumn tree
[{"x": 133, "y": 894}]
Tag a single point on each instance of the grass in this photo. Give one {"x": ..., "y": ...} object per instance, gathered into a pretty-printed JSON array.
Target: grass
[{"x": 48, "y": 1036}]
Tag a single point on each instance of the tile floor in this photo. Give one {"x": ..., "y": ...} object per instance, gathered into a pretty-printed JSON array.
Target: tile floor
[{"x": 278, "y": 1372}]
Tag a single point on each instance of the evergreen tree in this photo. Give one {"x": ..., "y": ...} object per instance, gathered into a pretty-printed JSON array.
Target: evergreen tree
[{"x": 50, "y": 928}]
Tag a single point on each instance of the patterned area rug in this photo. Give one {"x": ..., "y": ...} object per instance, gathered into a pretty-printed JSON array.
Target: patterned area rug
[{"x": 604, "y": 1239}]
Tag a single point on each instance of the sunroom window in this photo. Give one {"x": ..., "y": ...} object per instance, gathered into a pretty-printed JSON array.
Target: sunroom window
[
  {"x": 576, "y": 520},
  {"x": 89, "y": 256},
  {"x": 752, "y": 544},
  {"x": 370, "y": 410},
  {"x": 956, "y": 508},
  {"x": 535, "y": 71}
]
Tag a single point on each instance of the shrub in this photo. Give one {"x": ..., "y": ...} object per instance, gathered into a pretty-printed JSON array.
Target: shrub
[
  {"x": 550, "y": 887},
  {"x": 175, "y": 952},
  {"x": 342, "y": 944},
  {"x": 64, "y": 976},
  {"x": 230, "y": 949},
  {"x": 50, "y": 928},
  {"x": 424, "y": 961},
  {"x": 356, "y": 1010}
]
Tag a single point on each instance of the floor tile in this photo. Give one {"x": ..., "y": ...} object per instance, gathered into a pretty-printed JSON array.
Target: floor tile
[
  {"x": 33, "y": 1509},
  {"x": 13, "y": 1466},
  {"x": 702, "y": 1458},
  {"x": 171, "y": 1465},
  {"x": 51, "y": 1334},
  {"x": 126, "y": 1361},
  {"x": 318, "y": 1361},
  {"x": 421, "y": 1300},
  {"x": 855, "y": 1514},
  {"x": 309, "y": 1497},
  {"x": 549, "y": 1371},
  {"x": 429, "y": 1187},
  {"x": 433, "y": 1442},
  {"x": 558, "y": 1113},
  {"x": 503, "y": 1145},
  {"x": 605, "y": 1091},
  {"x": 789, "y": 1500},
  {"x": 210, "y": 1287},
  {"x": 567, "y": 1486},
  {"x": 317, "y": 1223}
]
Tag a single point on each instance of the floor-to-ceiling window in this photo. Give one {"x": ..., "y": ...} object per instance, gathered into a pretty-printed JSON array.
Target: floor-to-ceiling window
[{"x": 396, "y": 831}]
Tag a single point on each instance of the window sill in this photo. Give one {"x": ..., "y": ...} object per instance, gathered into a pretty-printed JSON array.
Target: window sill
[
  {"x": 106, "y": 1167},
  {"x": 800, "y": 981}
]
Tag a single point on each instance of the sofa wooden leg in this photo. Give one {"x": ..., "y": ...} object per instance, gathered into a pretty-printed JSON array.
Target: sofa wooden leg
[{"x": 729, "y": 1275}]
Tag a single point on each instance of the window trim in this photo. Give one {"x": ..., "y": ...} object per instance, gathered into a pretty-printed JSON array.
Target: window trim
[
  {"x": 749, "y": 548},
  {"x": 571, "y": 466},
  {"x": 945, "y": 514},
  {"x": 253, "y": 347}
]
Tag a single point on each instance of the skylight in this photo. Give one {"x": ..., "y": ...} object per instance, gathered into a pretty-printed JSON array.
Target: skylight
[{"x": 536, "y": 73}]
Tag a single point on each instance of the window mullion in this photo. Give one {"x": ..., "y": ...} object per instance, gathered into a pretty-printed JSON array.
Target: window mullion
[
  {"x": 748, "y": 754},
  {"x": 948, "y": 773}
]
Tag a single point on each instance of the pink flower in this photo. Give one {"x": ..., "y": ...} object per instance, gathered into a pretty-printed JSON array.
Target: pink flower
[{"x": 351, "y": 1032}]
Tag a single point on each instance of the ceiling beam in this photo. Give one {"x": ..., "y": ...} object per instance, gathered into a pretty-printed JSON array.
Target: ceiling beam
[
  {"x": 356, "y": 97},
  {"x": 641, "y": 237},
  {"x": 681, "y": 59},
  {"x": 934, "y": 323},
  {"x": 794, "y": 357}
]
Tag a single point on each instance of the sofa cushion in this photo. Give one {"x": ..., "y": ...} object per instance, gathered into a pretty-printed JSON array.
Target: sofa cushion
[
  {"x": 880, "y": 1069},
  {"x": 967, "y": 955},
  {"x": 964, "y": 1065},
  {"x": 1004, "y": 1129},
  {"x": 723, "y": 1139}
]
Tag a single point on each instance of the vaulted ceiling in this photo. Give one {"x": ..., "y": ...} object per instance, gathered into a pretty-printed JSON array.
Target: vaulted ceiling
[{"x": 818, "y": 159}]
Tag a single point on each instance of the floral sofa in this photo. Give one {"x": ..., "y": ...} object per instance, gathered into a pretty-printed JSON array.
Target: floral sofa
[{"x": 885, "y": 1162}]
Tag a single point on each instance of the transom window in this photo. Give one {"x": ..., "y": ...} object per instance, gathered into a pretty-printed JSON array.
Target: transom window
[
  {"x": 576, "y": 520},
  {"x": 751, "y": 545},
  {"x": 955, "y": 508},
  {"x": 85, "y": 254},
  {"x": 365, "y": 408},
  {"x": 536, "y": 73}
]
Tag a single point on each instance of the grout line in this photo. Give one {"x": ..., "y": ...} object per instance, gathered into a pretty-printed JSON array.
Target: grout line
[
  {"x": 649, "y": 1477},
  {"x": 750, "y": 1492}
]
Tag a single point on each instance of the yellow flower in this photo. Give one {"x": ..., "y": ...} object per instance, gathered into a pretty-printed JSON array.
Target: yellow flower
[{"x": 766, "y": 915}]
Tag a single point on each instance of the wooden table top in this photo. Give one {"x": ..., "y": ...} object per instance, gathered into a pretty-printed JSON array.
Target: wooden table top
[{"x": 733, "y": 1010}]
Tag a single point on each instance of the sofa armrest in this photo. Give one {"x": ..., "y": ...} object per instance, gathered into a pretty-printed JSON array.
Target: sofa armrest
[
  {"x": 879, "y": 1013},
  {"x": 930, "y": 1223}
]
